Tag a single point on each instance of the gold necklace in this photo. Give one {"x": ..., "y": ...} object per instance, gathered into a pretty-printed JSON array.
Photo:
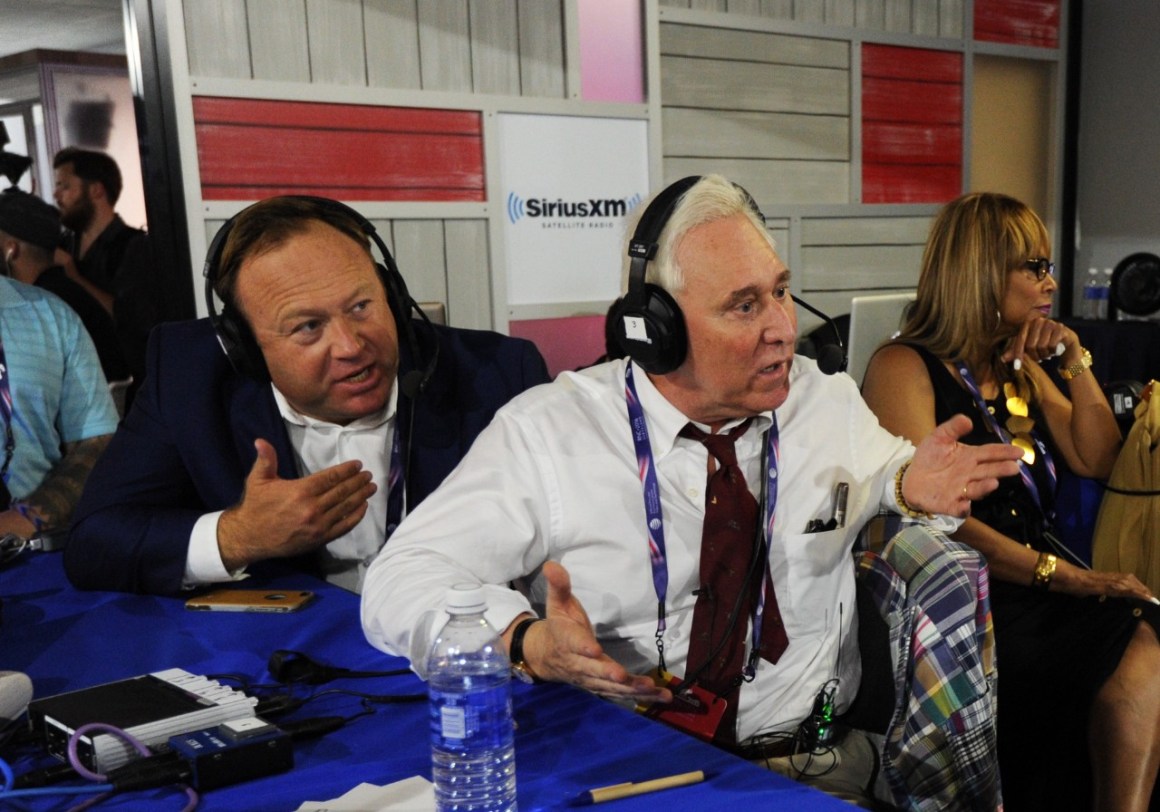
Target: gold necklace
[{"x": 1019, "y": 423}]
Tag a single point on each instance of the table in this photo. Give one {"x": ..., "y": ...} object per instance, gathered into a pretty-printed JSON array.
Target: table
[{"x": 567, "y": 740}]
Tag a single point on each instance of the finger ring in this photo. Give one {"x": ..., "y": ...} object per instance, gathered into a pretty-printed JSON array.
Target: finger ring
[{"x": 965, "y": 492}]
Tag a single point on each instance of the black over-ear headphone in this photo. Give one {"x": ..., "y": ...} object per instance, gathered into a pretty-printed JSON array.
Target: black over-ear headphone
[
  {"x": 648, "y": 323},
  {"x": 237, "y": 339}
]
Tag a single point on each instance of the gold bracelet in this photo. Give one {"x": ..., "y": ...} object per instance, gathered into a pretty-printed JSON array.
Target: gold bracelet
[
  {"x": 1044, "y": 571},
  {"x": 903, "y": 505}
]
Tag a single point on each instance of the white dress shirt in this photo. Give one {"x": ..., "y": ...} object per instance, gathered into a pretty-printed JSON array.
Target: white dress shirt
[
  {"x": 318, "y": 445},
  {"x": 555, "y": 477}
]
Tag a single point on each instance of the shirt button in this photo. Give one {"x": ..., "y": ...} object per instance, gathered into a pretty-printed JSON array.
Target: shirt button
[{"x": 693, "y": 493}]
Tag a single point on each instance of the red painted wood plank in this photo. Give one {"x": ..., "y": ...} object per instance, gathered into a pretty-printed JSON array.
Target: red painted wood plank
[
  {"x": 1019, "y": 22},
  {"x": 319, "y": 116},
  {"x": 918, "y": 64},
  {"x": 248, "y": 155},
  {"x": 900, "y": 143},
  {"x": 898, "y": 100},
  {"x": 378, "y": 193},
  {"x": 894, "y": 183}
]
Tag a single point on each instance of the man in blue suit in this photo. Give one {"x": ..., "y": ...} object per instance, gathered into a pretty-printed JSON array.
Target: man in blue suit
[{"x": 330, "y": 414}]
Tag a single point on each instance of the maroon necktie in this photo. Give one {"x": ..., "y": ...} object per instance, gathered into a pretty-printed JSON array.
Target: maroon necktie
[{"x": 730, "y": 579}]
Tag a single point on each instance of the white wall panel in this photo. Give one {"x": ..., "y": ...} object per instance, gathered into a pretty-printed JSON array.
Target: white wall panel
[
  {"x": 337, "y": 55},
  {"x": 736, "y": 134},
  {"x": 278, "y": 42},
  {"x": 710, "y": 83},
  {"x": 444, "y": 45},
  {"x": 468, "y": 274},
  {"x": 541, "y": 27},
  {"x": 392, "y": 43},
  {"x": 217, "y": 38},
  {"x": 495, "y": 54}
]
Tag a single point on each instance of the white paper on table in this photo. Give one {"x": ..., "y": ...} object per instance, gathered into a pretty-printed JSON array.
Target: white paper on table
[{"x": 414, "y": 794}]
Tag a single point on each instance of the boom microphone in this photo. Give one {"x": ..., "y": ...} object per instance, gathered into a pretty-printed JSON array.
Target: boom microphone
[
  {"x": 15, "y": 694},
  {"x": 831, "y": 357}
]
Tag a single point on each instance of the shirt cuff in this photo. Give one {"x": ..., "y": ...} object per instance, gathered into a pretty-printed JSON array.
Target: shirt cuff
[{"x": 203, "y": 561}]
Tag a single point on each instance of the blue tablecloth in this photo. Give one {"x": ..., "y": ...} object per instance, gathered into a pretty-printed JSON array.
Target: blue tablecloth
[{"x": 567, "y": 740}]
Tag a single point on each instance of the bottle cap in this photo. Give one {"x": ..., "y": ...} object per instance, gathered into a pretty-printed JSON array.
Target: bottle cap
[{"x": 466, "y": 599}]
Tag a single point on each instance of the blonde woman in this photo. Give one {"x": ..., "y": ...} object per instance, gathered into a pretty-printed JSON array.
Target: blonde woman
[{"x": 1079, "y": 661}]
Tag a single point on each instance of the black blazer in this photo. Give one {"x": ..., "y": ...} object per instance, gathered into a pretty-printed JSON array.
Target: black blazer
[{"x": 187, "y": 444}]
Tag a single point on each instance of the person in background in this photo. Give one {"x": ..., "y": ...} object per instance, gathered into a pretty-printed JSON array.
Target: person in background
[
  {"x": 577, "y": 486},
  {"x": 1079, "y": 694},
  {"x": 331, "y": 417},
  {"x": 29, "y": 233},
  {"x": 112, "y": 261},
  {"x": 55, "y": 408}
]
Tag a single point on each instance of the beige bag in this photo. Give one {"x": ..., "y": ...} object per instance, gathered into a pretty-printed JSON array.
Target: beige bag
[{"x": 1127, "y": 532}]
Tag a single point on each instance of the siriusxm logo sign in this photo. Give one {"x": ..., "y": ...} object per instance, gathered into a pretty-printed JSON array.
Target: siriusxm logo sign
[{"x": 561, "y": 213}]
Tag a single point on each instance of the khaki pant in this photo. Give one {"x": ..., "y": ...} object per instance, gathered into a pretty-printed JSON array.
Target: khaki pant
[{"x": 847, "y": 770}]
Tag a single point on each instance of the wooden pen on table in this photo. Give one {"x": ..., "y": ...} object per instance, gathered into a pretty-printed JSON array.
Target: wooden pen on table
[{"x": 629, "y": 789}]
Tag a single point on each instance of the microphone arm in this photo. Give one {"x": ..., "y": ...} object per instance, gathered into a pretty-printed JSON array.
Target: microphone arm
[{"x": 831, "y": 358}]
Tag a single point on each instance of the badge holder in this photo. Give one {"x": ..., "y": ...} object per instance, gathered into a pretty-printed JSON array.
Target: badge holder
[{"x": 694, "y": 710}]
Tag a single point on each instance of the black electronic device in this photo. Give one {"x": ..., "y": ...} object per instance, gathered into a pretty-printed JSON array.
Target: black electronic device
[
  {"x": 831, "y": 357},
  {"x": 294, "y": 667},
  {"x": 1135, "y": 287}
]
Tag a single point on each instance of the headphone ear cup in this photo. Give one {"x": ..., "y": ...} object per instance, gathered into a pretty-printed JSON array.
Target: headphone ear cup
[
  {"x": 653, "y": 333},
  {"x": 239, "y": 344}
]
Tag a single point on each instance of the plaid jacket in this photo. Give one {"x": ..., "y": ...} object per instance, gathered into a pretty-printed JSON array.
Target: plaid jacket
[{"x": 940, "y": 750}]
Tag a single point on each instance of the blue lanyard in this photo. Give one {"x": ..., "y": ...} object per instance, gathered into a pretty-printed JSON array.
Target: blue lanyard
[
  {"x": 993, "y": 424},
  {"x": 654, "y": 520},
  {"x": 6, "y": 411},
  {"x": 395, "y": 484}
]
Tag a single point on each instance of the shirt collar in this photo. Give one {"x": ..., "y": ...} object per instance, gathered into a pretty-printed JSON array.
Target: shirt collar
[
  {"x": 371, "y": 421},
  {"x": 665, "y": 420}
]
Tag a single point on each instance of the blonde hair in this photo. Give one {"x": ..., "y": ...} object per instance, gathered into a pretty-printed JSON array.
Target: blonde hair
[
  {"x": 711, "y": 198},
  {"x": 974, "y": 242}
]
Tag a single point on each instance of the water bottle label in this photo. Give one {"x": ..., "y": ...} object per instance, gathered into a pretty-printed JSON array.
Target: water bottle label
[{"x": 478, "y": 719}]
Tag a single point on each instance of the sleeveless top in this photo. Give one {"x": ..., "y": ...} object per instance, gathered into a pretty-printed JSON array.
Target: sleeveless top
[{"x": 1011, "y": 508}]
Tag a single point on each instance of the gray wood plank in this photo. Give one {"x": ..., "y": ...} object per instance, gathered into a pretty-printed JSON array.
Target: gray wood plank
[
  {"x": 710, "y": 83},
  {"x": 392, "y": 43},
  {"x": 674, "y": 3},
  {"x": 773, "y": 182},
  {"x": 847, "y": 267},
  {"x": 726, "y": 134},
  {"x": 418, "y": 249},
  {"x": 217, "y": 39},
  {"x": 925, "y": 17},
  {"x": 541, "y": 29},
  {"x": 444, "y": 45},
  {"x": 753, "y": 46},
  {"x": 278, "y": 45},
  {"x": 870, "y": 14},
  {"x": 950, "y": 18},
  {"x": 468, "y": 274},
  {"x": 820, "y": 231},
  {"x": 337, "y": 43},
  {"x": 750, "y": 7},
  {"x": 778, "y": 9},
  {"x": 495, "y": 60},
  {"x": 707, "y": 5},
  {"x": 840, "y": 12},
  {"x": 809, "y": 11},
  {"x": 898, "y": 16}
]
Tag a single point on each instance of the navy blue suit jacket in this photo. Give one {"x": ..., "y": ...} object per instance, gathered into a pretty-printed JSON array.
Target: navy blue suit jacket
[{"x": 187, "y": 445}]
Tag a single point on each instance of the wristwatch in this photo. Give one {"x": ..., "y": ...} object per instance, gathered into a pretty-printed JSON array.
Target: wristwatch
[
  {"x": 1078, "y": 368},
  {"x": 520, "y": 668}
]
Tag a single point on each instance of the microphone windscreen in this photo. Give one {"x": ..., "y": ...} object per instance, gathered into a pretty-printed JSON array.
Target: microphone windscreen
[
  {"x": 411, "y": 383},
  {"x": 15, "y": 694},
  {"x": 831, "y": 359}
]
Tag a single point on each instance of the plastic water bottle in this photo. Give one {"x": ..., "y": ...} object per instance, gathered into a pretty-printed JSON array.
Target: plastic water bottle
[
  {"x": 1105, "y": 293},
  {"x": 1092, "y": 290},
  {"x": 469, "y": 685}
]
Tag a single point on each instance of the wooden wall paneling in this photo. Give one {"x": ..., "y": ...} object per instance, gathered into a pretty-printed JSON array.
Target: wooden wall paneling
[
  {"x": 1028, "y": 22},
  {"x": 217, "y": 38},
  {"x": 752, "y": 46},
  {"x": 419, "y": 251},
  {"x": 751, "y": 8},
  {"x": 840, "y": 12},
  {"x": 278, "y": 42},
  {"x": 444, "y": 45},
  {"x": 773, "y": 182},
  {"x": 809, "y": 11},
  {"x": 469, "y": 301},
  {"x": 392, "y": 43},
  {"x": 856, "y": 267},
  {"x": 897, "y": 16},
  {"x": 337, "y": 42},
  {"x": 674, "y": 3},
  {"x": 904, "y": 100},
  {"x": 870, "y": 14},
  {"x": 495, "y": 61},
  {"x": 778, "y": 9},
  {"x": 912, "y": 143},
  {"x": 708, "y": 5},
  {"x": 736, "y": 134},
  {"x": 821, "y": 231},
  {"x": 710, "y": 83},
  {"x": 950, "y": 19},
  {"x": 925, "y": 15},
  {"x": 541, "y": 30}
]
